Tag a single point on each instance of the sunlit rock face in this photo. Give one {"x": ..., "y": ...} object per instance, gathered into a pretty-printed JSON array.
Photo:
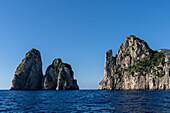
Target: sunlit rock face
[
  {"x": 28, "y": 75},
  {"x": 136, "y": 67},
  {"x": 59, "y": 76}
]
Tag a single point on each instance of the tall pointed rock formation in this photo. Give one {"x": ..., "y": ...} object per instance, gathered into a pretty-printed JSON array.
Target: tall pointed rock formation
[{"x": 28, "y": 75}]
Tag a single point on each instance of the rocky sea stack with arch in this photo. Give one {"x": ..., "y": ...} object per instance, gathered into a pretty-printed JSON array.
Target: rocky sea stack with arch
[
  {"x": 136, "y": 67},
  {"x": 59, "y": 76},
  {"x": 29, "y": 75}
]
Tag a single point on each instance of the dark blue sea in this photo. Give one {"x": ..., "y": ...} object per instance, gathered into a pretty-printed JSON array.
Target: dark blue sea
[{"x": 84, "y": 101}]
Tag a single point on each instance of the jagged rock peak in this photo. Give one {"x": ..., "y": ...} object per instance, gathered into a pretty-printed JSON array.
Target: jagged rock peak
[
  {"x": 59, "y": 76},
  {"x": 133, "y": 38},
  {"x": 28, "y": 74},
  {"x": 136, "y": 66},
  {"x": 133, "y": 42}
]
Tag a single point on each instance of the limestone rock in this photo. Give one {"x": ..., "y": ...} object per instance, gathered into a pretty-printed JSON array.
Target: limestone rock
[
  {"x": 135, "y": 67},
  {"x": 59, "y": 76},
  {"x": 28, "y": 74}
]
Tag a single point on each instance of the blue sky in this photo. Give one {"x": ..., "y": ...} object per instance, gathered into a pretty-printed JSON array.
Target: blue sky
[{"x": 77, "y": 31}]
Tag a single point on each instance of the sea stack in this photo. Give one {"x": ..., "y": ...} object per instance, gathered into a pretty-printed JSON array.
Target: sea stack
[
  {"x": 136, "y": 67},
  {"x": 59, "y": 76},
  {"x": 28, "y": 75}
]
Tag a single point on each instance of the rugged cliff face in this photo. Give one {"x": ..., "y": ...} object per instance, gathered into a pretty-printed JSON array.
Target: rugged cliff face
[
  {"x": 59, "y": 76},
  {"x": 136, "y": 66},
  {"x": 28, "y": 74}
]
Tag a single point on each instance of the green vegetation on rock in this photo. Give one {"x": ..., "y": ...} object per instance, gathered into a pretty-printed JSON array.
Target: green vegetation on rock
[{"x": 147, "y": 64}]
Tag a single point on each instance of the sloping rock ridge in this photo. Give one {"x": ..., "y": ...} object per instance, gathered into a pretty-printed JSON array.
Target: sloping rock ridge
[
  {"x": 28, "y": 75},
  {"x": 59, "y": 76},
  {"x": 136, "y": 67}
]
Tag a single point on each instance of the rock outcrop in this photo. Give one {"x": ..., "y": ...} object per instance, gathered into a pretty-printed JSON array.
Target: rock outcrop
[
  {"x": 59, "y": 76},
  {"x": 28, "y": 75},
  {"x": 166, "y": 52},
  {"x": 136, "y": 67}
]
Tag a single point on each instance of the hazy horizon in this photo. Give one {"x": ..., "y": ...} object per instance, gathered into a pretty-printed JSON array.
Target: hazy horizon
[{"x": 78, "y": 32}]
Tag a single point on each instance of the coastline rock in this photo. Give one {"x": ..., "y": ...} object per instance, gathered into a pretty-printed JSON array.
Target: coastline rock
[
  {"x": 28, "y": 74},
  {"x": 136, "y": 67},
  {"x": 59, "y": 76}
]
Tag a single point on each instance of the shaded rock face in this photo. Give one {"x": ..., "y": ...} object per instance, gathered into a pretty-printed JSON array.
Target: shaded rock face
[
  {"x": 59, "y": 76},
  {"x": 136, "y": 66},
  {"x": 28, "y": 75}
]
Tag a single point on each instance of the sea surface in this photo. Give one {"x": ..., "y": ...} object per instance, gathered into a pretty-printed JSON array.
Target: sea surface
[{"x": 85, "y": 101}]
